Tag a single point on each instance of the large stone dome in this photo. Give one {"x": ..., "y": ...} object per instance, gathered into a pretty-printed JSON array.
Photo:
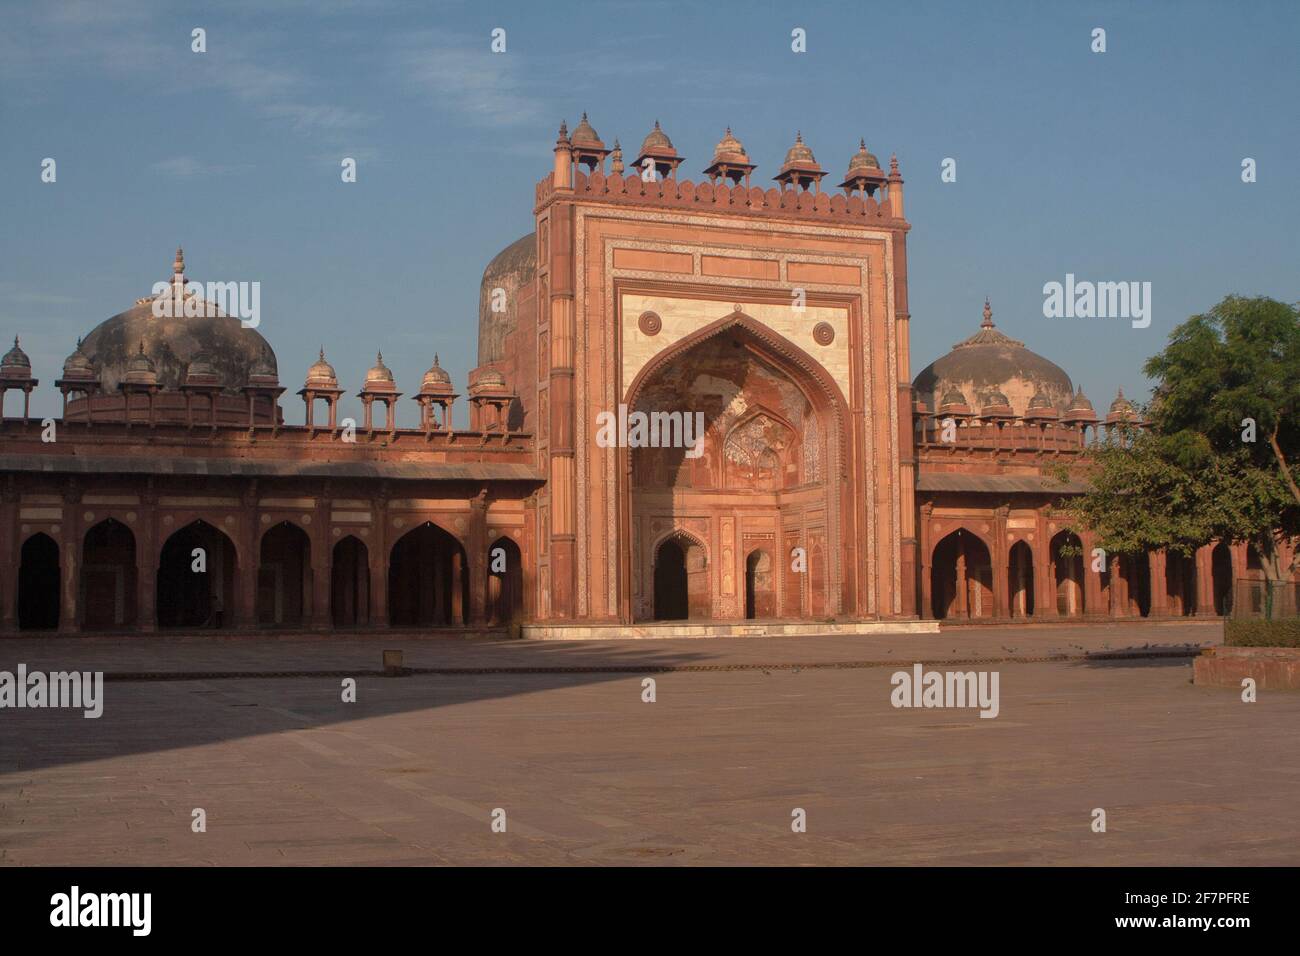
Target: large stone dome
[
  {"x": 172, "y": 343},
  {"x": 512, "y": 269},
  {"x": 989, "y": 364}
]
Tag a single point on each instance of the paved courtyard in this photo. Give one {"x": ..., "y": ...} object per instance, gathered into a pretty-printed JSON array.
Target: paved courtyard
[{"x": 742, "y": 732}]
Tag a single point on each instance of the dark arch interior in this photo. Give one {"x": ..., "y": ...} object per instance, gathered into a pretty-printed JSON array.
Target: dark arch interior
[
  {"x": 350, "y": 583},
  {"x": 428, "y": 581},
  {"x": 760, "y": 596},
  {"x": 1020, "y": 580},
  {"x": 284, "y": 576},
  {"x": 190, "y": 598},
  {"x": 1067, "y": 574},
  {"x": 108, "y": 577},
  {"x": 961, "y": 577},
  {"x": 505, "y": 582},
  {"x": 38, "y": 584},
  {"x": 670, "y": 582}
]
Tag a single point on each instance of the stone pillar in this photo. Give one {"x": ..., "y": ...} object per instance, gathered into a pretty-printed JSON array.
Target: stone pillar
[
  {"x": 563, "y": 478},
  {"x": 322, "y": 563},
  {"x": 1158, "y": 568},
  {"x": 249, "y": 557},
  {"x": 10, "y": 557},
  {"x": 476, "y": 553},
  {"x": 70, "y": 561},
  {"x": 1205, "y": 580},
  {"x": 927, "y": 571},
  {"x": 1093, "y": 596},
  {"x": 1001, "y": 569},
  {"x": 378, "y": 548},
  {"x": 148, "y": 547}
]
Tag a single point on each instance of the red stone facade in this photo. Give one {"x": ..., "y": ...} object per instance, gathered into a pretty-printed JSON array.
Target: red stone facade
[{"x": 825, "y": 484}]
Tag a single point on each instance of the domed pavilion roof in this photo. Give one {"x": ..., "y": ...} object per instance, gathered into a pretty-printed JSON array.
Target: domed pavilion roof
[{"x": 990, "y": 364}]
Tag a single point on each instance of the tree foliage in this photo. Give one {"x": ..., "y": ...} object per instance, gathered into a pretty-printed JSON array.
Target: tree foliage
[{"x": 1194, "y": 475}]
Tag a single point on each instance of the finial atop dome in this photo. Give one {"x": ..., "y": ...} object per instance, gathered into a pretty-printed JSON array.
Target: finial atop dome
[
  {"x": 178, "y": 266},
  {"x": 616, "y": 160},
  {"x": 988, "y": 315}
]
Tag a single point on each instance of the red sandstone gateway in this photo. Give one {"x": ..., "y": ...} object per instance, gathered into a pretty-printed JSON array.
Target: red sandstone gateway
[{"x": 830, "y": 491}]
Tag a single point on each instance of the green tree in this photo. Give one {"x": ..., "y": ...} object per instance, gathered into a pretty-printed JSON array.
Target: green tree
[{"x": 1223, "y": 431}]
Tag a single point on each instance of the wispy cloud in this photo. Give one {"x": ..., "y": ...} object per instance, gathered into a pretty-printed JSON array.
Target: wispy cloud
[{"x": 460, "y": 74}]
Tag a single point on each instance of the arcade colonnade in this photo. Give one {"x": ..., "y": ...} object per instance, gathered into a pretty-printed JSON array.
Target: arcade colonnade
[
  {"x": 1008, "y": 564},
  {"x": 133, "y": 562}
]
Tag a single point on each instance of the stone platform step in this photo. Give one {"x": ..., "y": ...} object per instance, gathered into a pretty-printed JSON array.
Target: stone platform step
[{"x": 665, "y": 630}]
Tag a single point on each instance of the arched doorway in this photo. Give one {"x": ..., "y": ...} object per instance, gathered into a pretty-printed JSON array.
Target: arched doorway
[
  {"x": 1180, "y": 583},
  {"x": 1221, "y": 572},
  {"x": 284, "y": 576},
  {"x": 196, "y": 578},
  {"x": 670, "y": 582},
  {"x": 1067, "y": 574},
  {"x": 427, "y": 581},
  {"x": 38, "y": 584},
  {"x": 760, "y": 594},
  {"x": 1020, "y": 580},
  {"x": 769, "y": 446},
  {"x": 961, "y": 578},
  {"x": 350, "y": 583},
  {"x": 108, "y": 577},
  {"x": 1136, "y": 570},
  {"x": 505, "y": 582}
]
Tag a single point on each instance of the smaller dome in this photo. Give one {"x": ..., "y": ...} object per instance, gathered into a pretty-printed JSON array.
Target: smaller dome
[
  {"x": 996, "y": 405},
  {"x": 864, "y": 161},
  {"x": 78, "y": 365},
  {"x": 321, "y": 374},
  {"x": 1080, "y": 409},
  {"x": 584, "y": 135},
  {"x": 379, "y": 372},
  {"x": 656, "y": 141},
  {"x": 436, "y": 378},
  {"x": 799, "y": 154},
  {"x": 953, "y": 399},
  {"x": 201, "y": 371},
  {"x": 15, "y": 363},
  {"x": 489, "y": 381},
  {"x": 263, "y": 371},
  {"x": 1121, "y": 410},
  {"x": 730, "y": 150},
  {"x": 141, "y": 369},
  {"x": 1041, "y": 406}
]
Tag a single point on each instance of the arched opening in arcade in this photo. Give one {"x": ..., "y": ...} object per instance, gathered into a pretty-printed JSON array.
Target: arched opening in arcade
[
  {"x": 1221, "y": 573},
  {"x": 196, "y": 578},
  {"x": 738, "y": 441},
  {"x": 1180, "y": 583},
  {"x": 38, "y": 584},
  {"x": 505, "y": 597},
  {"x": 760, "y": 591},
  {"x": 428, "y": 580},
  {"x": 284, "y": 577},
  {"x": 961, "y": 578},
  {"x": 108, "y": 577},
  {"x": 1067, "y": 574},
  {"x": 350, "y": 583},
  {"x": 1020, "y": 580}
]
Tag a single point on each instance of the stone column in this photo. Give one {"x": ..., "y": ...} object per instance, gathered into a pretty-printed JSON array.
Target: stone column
[
  {"x": 250, "y": 533},
  {"x": 927, "y": 573},
  {"x": 1093, "y": 597},
  {"x": 148, "y": 547},
  {"x": 70, "y": 561},
  {"x": 1001, "y": 569},
  {"x": 378, "y": 548},
  {"x": 1158, "y": 568},
  {"x": 10, "y": 557},
  {"x": 477, "y": 560}
]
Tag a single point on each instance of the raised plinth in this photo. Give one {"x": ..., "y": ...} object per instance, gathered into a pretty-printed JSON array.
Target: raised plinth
[
  {"x": 664, "y": 630},
  {"x": 1272, "y": 668}
]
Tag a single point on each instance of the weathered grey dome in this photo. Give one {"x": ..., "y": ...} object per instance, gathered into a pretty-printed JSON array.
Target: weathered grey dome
[
  {"x": 514, "y": 267},
  {"x": 989, "y": 364},
  {"x": 172, "y": 343},
  {"x": 15, "y": 363}
]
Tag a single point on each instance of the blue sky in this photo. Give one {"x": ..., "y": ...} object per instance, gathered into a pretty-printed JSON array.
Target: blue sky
[{"x": 1117, "y": 166}]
